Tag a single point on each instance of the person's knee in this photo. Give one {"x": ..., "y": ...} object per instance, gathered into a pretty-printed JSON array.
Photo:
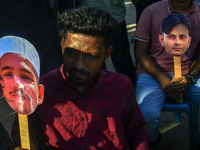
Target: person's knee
[
  {"x": 193, "y": 94},
  {"x": 152, "y": 122},
  {"x": 151, "y": 116}
]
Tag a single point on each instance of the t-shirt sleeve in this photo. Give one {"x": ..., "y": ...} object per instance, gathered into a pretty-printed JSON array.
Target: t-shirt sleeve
[{"x": 144, "y": 27}]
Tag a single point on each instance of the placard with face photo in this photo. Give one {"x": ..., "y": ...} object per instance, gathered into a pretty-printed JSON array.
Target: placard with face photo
[
  {"x": 19, "y": 72},
  {"x": 19, "y": 80},
  {"x": 175, "y": 29}
]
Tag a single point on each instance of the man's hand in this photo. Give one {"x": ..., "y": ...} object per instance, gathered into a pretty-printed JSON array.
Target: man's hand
[
  {"x": 169, "y": 91},
  {"x": 181, "y": 83},
  {"x": 18, "y": 148}
]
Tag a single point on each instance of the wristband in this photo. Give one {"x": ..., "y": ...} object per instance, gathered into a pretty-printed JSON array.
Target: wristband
[{"x": 192, "y": 77}]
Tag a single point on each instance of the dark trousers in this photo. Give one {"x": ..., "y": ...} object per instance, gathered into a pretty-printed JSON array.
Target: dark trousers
[{"x": 120, "y": 55}]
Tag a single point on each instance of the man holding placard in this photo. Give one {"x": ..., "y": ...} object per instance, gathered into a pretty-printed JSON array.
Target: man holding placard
[
  {"x": 86, "y": 107},
  {"x": 156, "y": 65},
  {"x": 175, "y": 29}
]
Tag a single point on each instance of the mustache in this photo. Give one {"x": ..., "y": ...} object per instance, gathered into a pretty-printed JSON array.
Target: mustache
[
  {"x": 20, "y": 93},
  {"x": 78, "y": 71}
]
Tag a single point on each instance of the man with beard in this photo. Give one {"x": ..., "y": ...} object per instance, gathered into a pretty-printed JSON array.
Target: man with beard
[
  {"x": 156, "y": 66},
  {"x": 86, "y": 107}
]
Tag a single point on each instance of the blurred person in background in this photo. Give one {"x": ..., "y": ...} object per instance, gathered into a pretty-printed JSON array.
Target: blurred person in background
[{"x": 34, "y": 20}]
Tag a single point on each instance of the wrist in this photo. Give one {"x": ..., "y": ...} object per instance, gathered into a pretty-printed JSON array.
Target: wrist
[{"x": 192, "y": 78}]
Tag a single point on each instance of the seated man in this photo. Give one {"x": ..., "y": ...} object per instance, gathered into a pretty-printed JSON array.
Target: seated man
[
  {"x": 19, "y": 72},
  {"x": 156, "y": 66},
  {"x": 84, "y": 106}
]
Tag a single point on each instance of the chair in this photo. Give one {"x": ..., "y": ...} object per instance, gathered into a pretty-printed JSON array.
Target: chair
[{"x": 191, "y": 110}]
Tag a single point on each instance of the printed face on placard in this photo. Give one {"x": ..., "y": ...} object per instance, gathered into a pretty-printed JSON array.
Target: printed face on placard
[
  {"x": 177, "y": 41},
  {"x": 20, "y": 84}
]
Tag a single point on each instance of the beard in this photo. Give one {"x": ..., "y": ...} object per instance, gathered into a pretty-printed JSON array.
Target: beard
[
  {"x": 80, "y": 81},
  {"x": 81, "y": 77}
]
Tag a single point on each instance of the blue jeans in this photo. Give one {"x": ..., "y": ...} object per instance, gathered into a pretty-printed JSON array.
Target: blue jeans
[
  {"x": 198, "y": 1},
  {"x": 151, "y": 98}
]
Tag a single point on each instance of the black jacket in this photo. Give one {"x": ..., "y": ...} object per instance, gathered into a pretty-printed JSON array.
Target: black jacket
[{"x": 5, "y": 141}]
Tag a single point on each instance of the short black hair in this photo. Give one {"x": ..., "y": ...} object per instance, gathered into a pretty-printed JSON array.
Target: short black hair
[
  {"x": 89, "y": 21},
  {"x": 172, "y": 20}
]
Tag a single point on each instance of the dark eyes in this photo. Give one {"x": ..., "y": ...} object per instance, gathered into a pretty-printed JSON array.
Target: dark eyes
[
  {"x": 8, "y": 75},
  {"x": 172, "y": 36},
  {"x": 183, "y": 37},
  {"x": 70, "y": 52},
  {"x": 27, "y": 78},
  {"x": 90, "y": 55},
  {"x": 23, "y": 77}
]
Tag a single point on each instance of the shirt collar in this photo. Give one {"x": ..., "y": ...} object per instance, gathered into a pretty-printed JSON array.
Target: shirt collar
[
  {"x": 62, "y": 72},
  {"x": 171, "y": 9},
  {"x": 93, "y": 85}
]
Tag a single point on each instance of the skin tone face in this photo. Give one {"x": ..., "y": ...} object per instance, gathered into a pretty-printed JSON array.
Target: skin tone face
[
  {"x": 19, "y": 84},
  {"x": 83, "y": 56},
  {"x": 177, "y": 41}
]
